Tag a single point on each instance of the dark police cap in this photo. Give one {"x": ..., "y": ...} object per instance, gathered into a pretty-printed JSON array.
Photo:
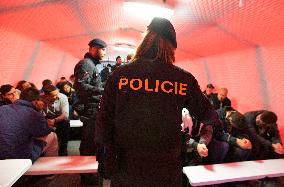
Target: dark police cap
[
  {"x": 97, "y": 43},
  {"x": 164, "y": 28}
]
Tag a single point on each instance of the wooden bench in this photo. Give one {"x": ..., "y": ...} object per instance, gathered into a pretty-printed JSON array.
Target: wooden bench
[
  {"x": 237, "y": 171},
  {"x": 63, "y": 165}
]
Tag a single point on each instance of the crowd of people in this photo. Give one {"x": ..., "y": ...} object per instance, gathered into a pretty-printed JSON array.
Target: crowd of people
[
  {"x": 131, "y": 116},
  {"x": 253, "y": 135}
]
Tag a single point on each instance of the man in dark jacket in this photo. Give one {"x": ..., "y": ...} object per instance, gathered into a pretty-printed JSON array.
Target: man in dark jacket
[
  {"x": 265, "y": 135},
  {"x": 235, "y": 134},
  {"x": 220, "y": 99},
  {"x": 138, "y": 123},
  {"x": 117, "y": 64},
  {"x": 202, "y": 142},
  {"x": 89, "y": 89},
  {"x": 24, "y": 133},
  {"x": 209, "y": 91},
  {"x": 105, "y": 73}
]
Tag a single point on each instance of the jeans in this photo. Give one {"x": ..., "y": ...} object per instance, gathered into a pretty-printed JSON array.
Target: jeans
[{"x": 217, "y": 151}]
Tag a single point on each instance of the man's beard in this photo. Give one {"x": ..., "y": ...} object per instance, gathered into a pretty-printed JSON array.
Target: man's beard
[{"x": 98, "y": 57}]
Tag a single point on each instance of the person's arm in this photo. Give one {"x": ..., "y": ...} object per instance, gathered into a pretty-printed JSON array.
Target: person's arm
[
  {"x": 206, "y": 133},
  {"x": 38, "y": 125},
  {"x": 241, "y": 142},
  {"x": 83, "y": 74},
  {"x": 276, "y": 140},
  {"x": 258, "y": 138},
  {"x": 205, "y": 138},
  {"x": 64, "y": 107},
  {"x": 227, "y": 137},
  {"x": 275, "y": 134}
]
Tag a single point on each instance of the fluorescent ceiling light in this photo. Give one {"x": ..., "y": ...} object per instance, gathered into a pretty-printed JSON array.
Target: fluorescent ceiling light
[
  {"x": 124, "y": 49},
  {"x": 146, "y": 10}
]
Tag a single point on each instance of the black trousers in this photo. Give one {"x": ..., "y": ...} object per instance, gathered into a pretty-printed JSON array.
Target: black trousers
[
  {"x": 62, "y": 131},
  {"x": 87, "y": 146}
]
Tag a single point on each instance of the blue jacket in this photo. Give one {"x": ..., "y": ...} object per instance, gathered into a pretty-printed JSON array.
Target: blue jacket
[{"x": 19, "y": 124}]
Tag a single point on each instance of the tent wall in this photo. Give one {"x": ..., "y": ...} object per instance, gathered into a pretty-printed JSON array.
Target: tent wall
[
  {"x": 24, "y": 58},
  {"x": 254, "y": 77}
]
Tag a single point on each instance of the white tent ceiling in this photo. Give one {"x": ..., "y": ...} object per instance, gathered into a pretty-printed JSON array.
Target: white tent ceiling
[{"x": 203, "y": 27}]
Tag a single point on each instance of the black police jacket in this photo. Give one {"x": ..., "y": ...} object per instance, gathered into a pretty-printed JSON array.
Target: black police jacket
[
  {"x": 140, "y": 117},
  {"x": 88, "y": 83}
]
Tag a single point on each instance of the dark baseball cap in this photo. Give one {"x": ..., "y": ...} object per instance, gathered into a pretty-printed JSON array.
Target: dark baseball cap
[
  {"x": 98, "y": 43},
  {"x": 164, "y": 28}
]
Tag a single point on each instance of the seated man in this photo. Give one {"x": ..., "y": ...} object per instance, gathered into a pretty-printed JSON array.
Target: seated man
[
  {"x": 236, "y": 134},
  {"x": 265, "y": 136},
  {"x": 209, "y": 91},
  {"x": 220, "y": 99},
  {"x": 9, "y": 94},
  {"x": 201, "y": 142},
  {"x": 24, "y": 133},
  {"x": 72, "y": 98},
  {"x": 56, "y": 110}
]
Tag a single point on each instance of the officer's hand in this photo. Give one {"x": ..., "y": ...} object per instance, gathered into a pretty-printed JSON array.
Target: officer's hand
[{"x": 202, "y": 150}]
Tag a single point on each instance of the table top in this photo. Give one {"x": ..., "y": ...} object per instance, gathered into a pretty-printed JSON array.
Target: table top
[
  {"x": 237, "y": 171},
  {"x": 63, "y": 165},
  {"x": 76, "y": 123},
  {"x": 12, "y": 169}
]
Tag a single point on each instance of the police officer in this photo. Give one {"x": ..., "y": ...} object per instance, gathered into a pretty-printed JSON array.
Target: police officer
[
  {"x": 89, "y": 88},
  {"x": 138, "y": 123}
]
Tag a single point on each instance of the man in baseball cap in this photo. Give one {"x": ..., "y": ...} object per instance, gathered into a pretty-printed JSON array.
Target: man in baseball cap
[{"x": 89, "y": 88}]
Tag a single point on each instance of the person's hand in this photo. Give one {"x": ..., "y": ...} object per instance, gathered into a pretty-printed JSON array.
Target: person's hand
[
  {"x": 278, "y": 148},
  {"x": 50, "y": 122},
  {"x": 75, "y": 114},
  {"x": 202, "y": 150},
  {"x": 244, "y": 143}
]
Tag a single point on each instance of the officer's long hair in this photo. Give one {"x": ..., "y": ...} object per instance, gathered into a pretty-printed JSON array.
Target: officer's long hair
[{"x": 155, "y": 48}]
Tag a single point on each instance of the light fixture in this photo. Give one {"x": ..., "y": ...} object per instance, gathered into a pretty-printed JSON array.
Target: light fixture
[
  {"x": 124, "y": 47},
  {"x": 241, "y": 3},
  {"x": 146, "y": 10}
]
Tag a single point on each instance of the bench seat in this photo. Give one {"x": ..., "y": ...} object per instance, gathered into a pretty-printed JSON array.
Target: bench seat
[
  {"x": 63, "y": 165},
  {"x": 76, "y": 123},
  {"x": 236, "y": 171}
]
